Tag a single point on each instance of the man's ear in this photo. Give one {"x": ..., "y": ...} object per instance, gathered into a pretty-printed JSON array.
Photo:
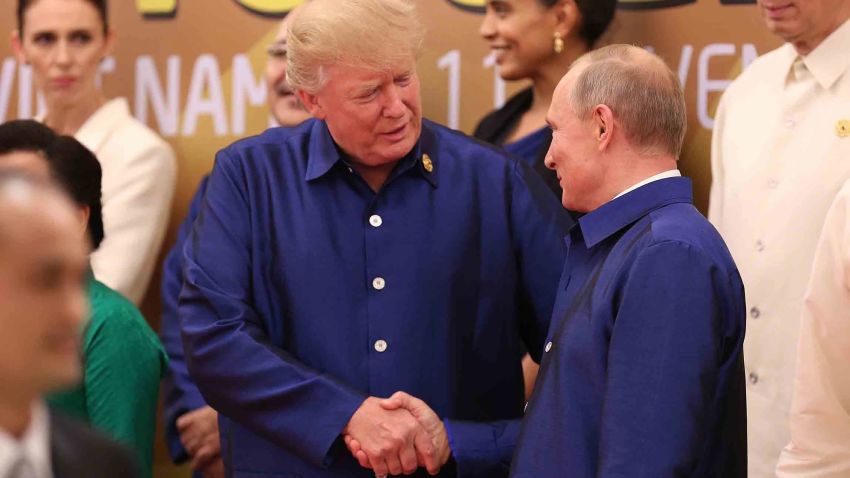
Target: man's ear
[
  {"x": 311, "y": 104},
  {"x": 18, "y": 47},
  {"x": 603, "y": 124}
]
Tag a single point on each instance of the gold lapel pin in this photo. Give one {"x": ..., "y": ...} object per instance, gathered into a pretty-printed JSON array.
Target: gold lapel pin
[
  {"x": 429, "y": 165},
  {"x": 842, "y": 128}
]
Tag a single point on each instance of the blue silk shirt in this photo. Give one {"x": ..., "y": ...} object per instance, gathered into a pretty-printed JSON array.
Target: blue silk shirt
[
  {"x": 642, "y": 375},
  {"x": 305, "y": 292},
  {"x": 179, "y": 392}
]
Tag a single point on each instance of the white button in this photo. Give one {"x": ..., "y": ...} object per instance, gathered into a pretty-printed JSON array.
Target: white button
[
  {"x": 525, "y": 408},
  {"x": 375, "y": 220},
  {"x": 755, "y": 312},
  {"x": 380, "y": 345},
  {"x": 790, "y": 122},
  {"x": 772, "y": 183},
  {"x": 753, "y": 378},
  {"x": 350, "y": 170},
  {"x": 378, "y": 283},
  {"x": 548, "y": 346},
  {"x": 759, "y": 246}
]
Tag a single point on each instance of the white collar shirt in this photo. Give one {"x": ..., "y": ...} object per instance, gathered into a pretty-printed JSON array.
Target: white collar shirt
[
  {"x": 780, "y": 153},
  {"x": 820, "y": 408},
  {"x": 671, "y": 173},
  {"x": 33, "y": 446}
]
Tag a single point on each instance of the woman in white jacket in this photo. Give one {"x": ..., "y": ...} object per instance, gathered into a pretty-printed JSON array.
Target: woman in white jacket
[{"x": 64, "y": 41}]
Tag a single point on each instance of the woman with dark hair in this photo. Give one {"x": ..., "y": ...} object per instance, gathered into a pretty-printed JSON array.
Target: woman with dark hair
[
  {"x": 64, "y": 41},
  {"x": 536, "y": 40},
  {"x": 123, "y": 359}
]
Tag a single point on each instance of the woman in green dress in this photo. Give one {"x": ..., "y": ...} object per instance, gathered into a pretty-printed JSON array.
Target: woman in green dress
[{"x": 123, "y": 358}]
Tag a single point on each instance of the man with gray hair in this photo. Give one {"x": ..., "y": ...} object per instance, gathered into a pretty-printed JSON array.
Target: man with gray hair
[{"x": 642, "y": 374}]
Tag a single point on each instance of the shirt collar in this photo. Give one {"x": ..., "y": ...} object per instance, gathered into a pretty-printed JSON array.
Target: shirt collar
[
  {"x": 97, "y": 128},
  {"x": 34, "y": 445},
  {"x": 598, "y": 225},
  {"x": 672, "y": 173},
  {"x": 829, "y": 60},
  {"x": 324, "y": 154}
]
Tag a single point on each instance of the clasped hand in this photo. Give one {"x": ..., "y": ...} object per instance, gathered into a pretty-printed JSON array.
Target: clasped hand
[{"x": 397, "y": 435}]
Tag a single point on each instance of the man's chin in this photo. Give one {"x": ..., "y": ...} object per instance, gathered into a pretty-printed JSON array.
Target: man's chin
[{"x": 63, "y": 375}]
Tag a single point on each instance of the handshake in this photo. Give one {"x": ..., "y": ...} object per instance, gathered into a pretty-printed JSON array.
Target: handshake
[{"x": 397, "y": 435}]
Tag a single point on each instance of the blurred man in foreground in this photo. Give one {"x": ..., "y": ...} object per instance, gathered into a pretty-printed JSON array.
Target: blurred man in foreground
[{"x": 43, "y": 264}]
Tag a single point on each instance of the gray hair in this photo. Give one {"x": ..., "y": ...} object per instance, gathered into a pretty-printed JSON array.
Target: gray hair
[
  {"x": 640, "y": 89},
  {"x": 374, "y": 34}
]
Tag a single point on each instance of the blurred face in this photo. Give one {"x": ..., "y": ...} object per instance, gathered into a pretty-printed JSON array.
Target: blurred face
[
  {"x": 43, "y": 262},
  {"x": 36, "y": 165},
  {"x": 804, "y": 23},
  {"x": 28, "y": 162},
  {"x": 63, "y": 41},
  {"x": 521, "y": 34},
  {"x": 574, "y": 152},
  {"x": 283, "y": 103},
  {"x": 374, "y": 116}
]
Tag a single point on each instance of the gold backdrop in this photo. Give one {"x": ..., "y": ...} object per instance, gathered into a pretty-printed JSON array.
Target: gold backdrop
[{"x": 193, "y": 70}]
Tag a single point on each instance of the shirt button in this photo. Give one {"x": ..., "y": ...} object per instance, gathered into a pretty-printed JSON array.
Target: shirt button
[
  {"x": 759, "y": 246},
  {"x": 790, "y": 122},
  {"x": 772, "y": 183},
  {"x": 525, "y": 408},
  {"x": 375, "y": 220},
  {"x": 350, "y": 170},
  {"x": 380, "y": 345},
  {"x": 378, "y": 283},
  {"x": 753, "y": 378},
  {"x": 755, "y": 312},
  {"x": 548, "y": 346}
]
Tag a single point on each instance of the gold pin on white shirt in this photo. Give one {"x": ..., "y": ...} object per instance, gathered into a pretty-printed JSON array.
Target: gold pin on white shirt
[
  {"x": 842, "y": 128},
  {"x": 427, "y": 164}
]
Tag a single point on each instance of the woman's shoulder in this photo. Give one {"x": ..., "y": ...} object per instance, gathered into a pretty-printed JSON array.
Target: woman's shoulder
[
  {"x": 113, "y": 315},
  {"x": 494, "y": 123},
  {"x": 127, "y": 131}
]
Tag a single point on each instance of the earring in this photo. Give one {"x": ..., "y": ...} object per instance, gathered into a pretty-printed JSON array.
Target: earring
[{"x": 559, "y": 43}]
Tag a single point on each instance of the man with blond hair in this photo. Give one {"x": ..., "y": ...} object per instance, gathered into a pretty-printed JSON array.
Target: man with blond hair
[
  {"x": 642, "y": 374},
  {"x": 365, "y": 252},
  {"x": 779, "y": 155}
]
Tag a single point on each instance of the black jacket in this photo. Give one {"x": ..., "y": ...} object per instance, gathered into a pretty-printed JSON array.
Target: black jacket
[
  {"x": 497, "y": 125},
  {"x": 79, "y": 452}
]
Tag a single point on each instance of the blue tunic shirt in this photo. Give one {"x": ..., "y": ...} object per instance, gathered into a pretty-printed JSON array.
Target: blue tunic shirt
[
  {"x": 305, "y": 292},
  {"x": 528, "y": 147},
  {"x": 643, "y": 371},
  {"x": 180, "y": 394}
]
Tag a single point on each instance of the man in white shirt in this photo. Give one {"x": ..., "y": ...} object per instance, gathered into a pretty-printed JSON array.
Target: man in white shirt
[
  {"x": 778, "y": 159},
  {"x": 43, "y": 266},
  {"x": 820, "y": 409}
]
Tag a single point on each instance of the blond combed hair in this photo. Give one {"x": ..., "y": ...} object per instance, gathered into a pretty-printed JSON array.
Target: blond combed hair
[
  {"x": 644, "y": 94},
  {"x": 373, "y": 34}
]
